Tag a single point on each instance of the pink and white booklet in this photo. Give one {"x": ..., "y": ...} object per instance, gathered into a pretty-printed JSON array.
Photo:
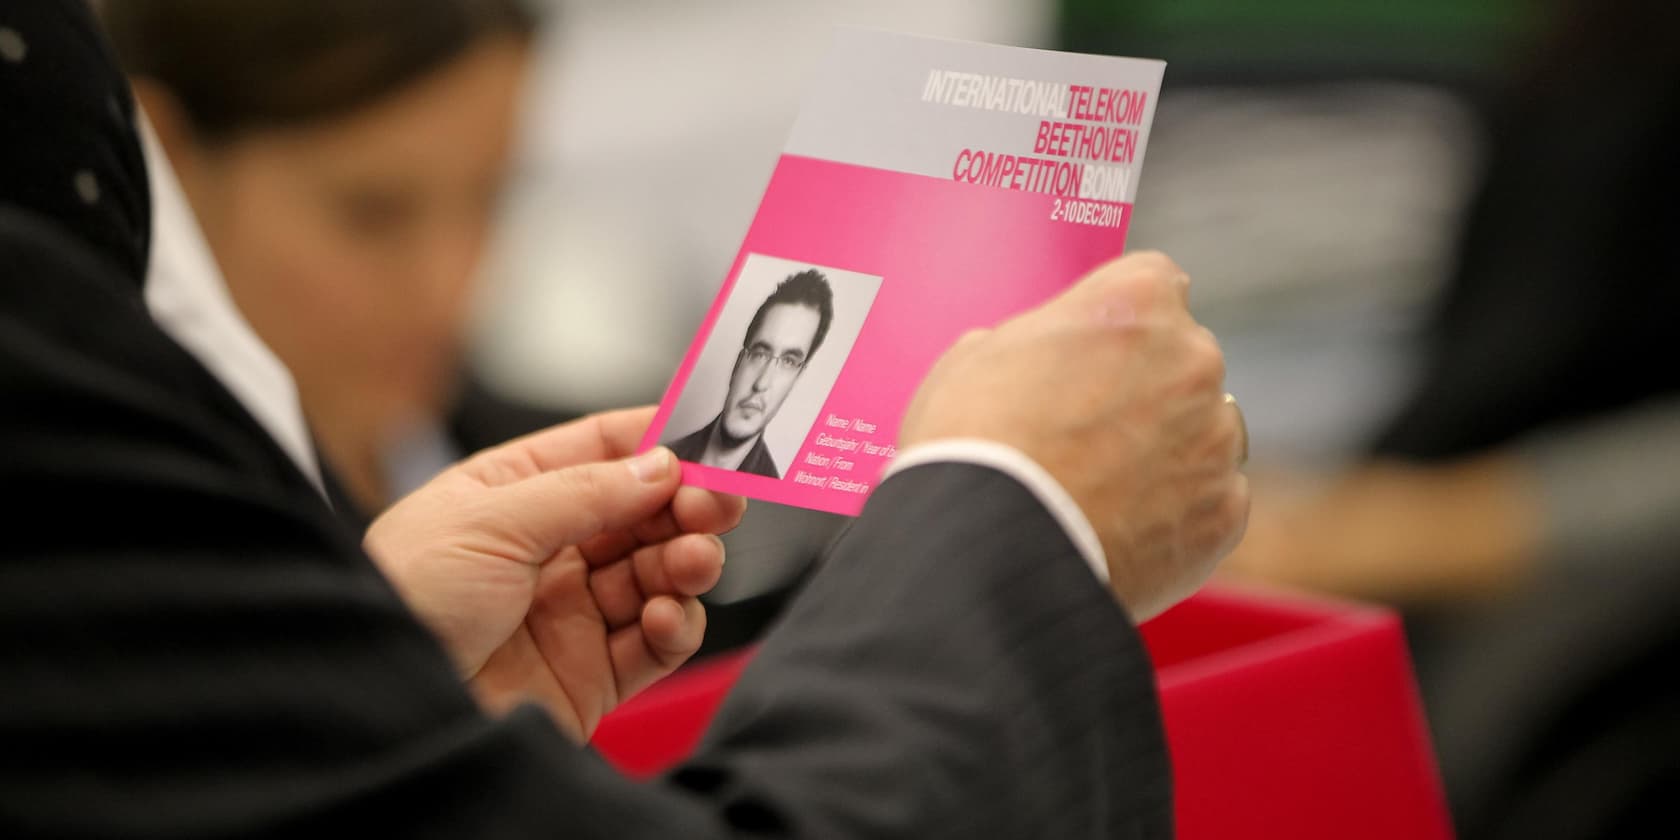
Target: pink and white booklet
[{"x": 929, "y": 187}]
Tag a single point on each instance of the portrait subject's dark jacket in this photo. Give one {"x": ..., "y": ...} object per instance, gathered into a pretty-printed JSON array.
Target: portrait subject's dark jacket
[
  {"x": 192, "y": 646},
  {"x": 758, "y": 461}
]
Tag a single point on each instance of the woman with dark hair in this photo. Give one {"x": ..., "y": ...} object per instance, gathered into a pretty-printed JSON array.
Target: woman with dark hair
[{"x": 343, "y": 160}]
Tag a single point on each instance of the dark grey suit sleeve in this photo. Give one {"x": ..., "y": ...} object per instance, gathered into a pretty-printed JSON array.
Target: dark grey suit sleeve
[{"x": 953, "y": 670}]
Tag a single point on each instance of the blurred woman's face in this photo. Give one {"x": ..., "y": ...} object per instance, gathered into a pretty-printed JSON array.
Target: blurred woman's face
[{"x": 350, "y": 245}]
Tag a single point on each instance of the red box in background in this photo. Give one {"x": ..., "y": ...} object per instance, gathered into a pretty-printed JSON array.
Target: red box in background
[
  {"x": 1287, "y": 718},
  {"x": 1292, "y": 718}
]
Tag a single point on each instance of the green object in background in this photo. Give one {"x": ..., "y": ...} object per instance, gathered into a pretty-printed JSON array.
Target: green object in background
[{"x": 1428, "y": 37}]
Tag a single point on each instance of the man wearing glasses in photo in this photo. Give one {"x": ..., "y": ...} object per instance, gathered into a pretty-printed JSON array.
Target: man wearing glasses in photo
[{"x": 785, "y": 332}]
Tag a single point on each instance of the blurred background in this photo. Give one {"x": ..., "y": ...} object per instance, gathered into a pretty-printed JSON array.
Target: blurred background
[
  {"x": 611, "y": 214},
  {"x": 1433, "y": 237},
  {"x": 1309, "y": 165}
]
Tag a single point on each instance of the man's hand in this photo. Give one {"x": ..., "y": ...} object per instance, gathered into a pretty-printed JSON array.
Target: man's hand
[
  {"x": 557, "y": 570},
  {"x": 1115, "y": 390}
]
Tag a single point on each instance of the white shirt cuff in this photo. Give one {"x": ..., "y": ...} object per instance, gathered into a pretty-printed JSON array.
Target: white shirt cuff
[{"x": 1011, "y": 462}]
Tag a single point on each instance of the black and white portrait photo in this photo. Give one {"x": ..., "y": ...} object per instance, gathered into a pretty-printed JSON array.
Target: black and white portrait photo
[{"x": 773, "y": 355}]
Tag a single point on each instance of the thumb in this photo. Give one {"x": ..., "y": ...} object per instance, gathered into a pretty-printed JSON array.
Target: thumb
[{"x": 555, "y": 509}]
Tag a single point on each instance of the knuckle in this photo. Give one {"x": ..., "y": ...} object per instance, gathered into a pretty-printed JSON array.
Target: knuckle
[
  {"x": 1237, "y": 494},
  {"x": 1155, "y": 261},
  {"x": 697, "y": 618},
  {"x": 480, "y": 514},
  {"x": 585, "y": 483},
  {"x": 1149, "y": 280},
  {"x": 1157, "y": 268},
  {"x": 1233, "y": 509},
  {"x": 1230, "y": 437},
  {"x": 1207, "y": 360},
  {"x": 1140, "y": 291},
  {"x": 584, "y": 491},
  {"x": 1220, "y": 525}
]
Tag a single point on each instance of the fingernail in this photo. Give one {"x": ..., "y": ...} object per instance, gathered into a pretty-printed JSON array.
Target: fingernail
[{"x": 652, "y": 465}]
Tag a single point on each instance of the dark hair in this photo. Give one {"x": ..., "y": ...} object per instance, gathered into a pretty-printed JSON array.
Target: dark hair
[
  {"x": 238, "y": 65},
  {"x": 807, "y": 288}
]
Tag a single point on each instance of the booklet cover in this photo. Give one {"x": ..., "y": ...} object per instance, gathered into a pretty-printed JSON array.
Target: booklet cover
[{"x": 928, "y": 187}]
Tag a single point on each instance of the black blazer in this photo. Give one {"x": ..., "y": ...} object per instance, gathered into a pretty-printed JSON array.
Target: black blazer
[
  {"x": 692, "y": 446},
  {"x": 192, "y": 645}
]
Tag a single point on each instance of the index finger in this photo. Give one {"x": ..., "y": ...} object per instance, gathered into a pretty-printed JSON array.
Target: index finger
[
  {"x": 692, "y": 510},
  {"x": 606, "y": 436}
]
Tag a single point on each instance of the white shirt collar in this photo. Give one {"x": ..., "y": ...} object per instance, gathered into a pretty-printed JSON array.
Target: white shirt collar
[{"x": 188, "y": 299}]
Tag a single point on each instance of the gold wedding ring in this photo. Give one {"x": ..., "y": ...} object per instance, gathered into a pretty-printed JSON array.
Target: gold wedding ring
[{"x": 1242, "y": 429}]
